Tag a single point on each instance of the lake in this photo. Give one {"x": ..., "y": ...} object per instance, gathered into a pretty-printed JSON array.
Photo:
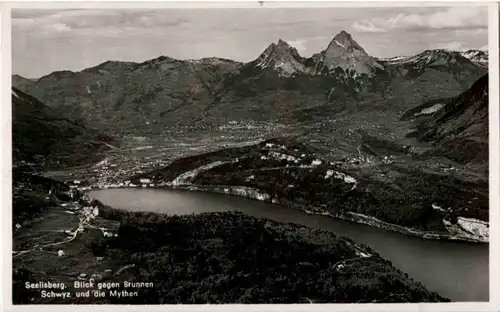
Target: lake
[{"x": 456, "y": 270}]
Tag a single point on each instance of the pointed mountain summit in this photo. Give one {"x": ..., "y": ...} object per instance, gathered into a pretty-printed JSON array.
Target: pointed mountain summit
[
  {"x": 279, "y": 51},
  {"x": 344, "y": 52},
  {"x": 283, "y": 58},
  {"x": 345, "y": 41}
]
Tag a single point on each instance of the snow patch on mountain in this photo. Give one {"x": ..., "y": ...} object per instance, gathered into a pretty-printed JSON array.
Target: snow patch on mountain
[
  {"x": 340, "y": 44},
  {"x": 430, "y": 110},
  {"x": 438, "y": 57},
  {"x": 478, "y": 57},
  {"x": 394, "y": 58}
]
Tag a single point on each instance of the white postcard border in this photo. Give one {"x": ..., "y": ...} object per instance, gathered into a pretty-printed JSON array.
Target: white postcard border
[{"x": 6, "y": 159}]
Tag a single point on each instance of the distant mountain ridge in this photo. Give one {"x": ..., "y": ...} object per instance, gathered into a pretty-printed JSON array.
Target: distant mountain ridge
[
  {"x": 342, "y": 52},
  {"x": 277, "y": 85}
]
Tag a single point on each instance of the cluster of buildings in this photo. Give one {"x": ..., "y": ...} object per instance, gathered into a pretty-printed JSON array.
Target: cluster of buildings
[{"x": 107, "y": 174}]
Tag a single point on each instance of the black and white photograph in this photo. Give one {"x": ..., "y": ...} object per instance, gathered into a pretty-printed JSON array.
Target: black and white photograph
[{"x": 250, "y": 155}]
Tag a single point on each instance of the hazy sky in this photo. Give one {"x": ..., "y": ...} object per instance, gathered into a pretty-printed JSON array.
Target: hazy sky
[{"x": 47, "y": 40}]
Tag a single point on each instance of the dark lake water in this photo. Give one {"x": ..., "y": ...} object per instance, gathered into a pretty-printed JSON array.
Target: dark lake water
[{"x": 455, "y": 270}]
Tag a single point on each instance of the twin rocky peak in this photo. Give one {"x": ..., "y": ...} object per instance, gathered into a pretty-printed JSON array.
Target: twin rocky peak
[{"x": 342, "y": 52}]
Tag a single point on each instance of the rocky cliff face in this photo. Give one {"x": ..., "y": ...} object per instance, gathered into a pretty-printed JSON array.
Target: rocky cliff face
[{"x": 283, "y": 58}]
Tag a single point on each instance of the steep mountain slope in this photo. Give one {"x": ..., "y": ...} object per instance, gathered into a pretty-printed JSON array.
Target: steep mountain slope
[
  {"x": 41, "y": 136},
  {"x": 123, "y": 96},
  {"x": 458, "y": 126}
]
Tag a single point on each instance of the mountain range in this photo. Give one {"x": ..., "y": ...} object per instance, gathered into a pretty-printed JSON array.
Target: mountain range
[{"x": 279, "y": 85}]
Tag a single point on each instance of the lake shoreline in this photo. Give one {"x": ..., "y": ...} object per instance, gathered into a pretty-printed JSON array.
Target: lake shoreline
[{"x": 349, "y": 216}]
